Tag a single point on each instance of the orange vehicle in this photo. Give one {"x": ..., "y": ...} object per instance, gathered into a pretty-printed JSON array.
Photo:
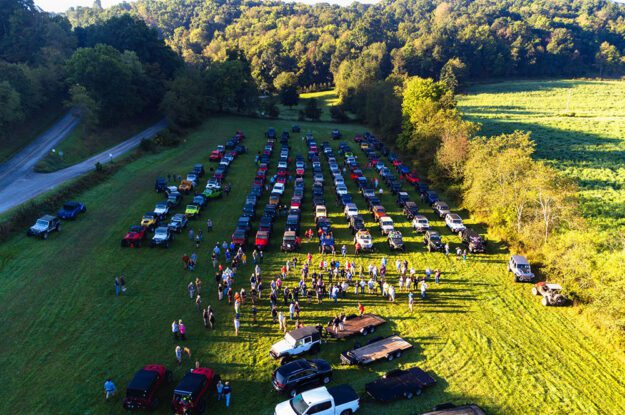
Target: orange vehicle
[
  {"x": 274, "y": 199},
  {"x": 378, "y": 211},
  {"x": 185, "y": 186}
]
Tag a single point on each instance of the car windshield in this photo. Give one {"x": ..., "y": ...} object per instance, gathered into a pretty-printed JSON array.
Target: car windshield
[
  {"x": 148, "y": 217},
  {"x": 457, "y": 220},
  {"x": 69, "y": 206},
  {"x": 435, "y": 238},
  {"x": 161, "y": 206},
  {"x": 42, "y": 222},
  {"x": 299, "y": 405},
  {"x": 423, "y": 221},
  {"x": 160, "y": 232},
  {"x": 524, "y": 267}
]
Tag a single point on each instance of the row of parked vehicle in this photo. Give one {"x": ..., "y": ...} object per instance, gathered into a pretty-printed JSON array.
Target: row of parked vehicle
[
  {"x": 52, "y": 223},
  {"x": 165, "y": 227},
  {"x": 518, "y": 265}
]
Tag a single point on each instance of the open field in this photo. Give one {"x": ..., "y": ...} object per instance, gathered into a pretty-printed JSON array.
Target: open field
[
  {"x": 486, "y": 339},
  {"x": 325, "y": 99},
  {"x": 80, "y": 145},
  {"x": 578, "y": 126}
]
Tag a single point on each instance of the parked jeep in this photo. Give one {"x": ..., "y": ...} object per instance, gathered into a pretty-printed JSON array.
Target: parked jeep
[
  {"x": 134, "y": 236},
  {"x": 190, "y": 393},
  {"x": 178, "y": 222},
  {"x": 551, "y": 293},
  {"x": 160, "y": 185},
  {"x": 441, "y": 208},
  {"x": 71, "y": 210},
  {"x": 396, "y": 241},
  {"x": 420, "y": 224},
  {"x": 142, "y": 390},
  {"x": 473, "y": 240},
  {"x": 44, "y": 226},
  {"x": 521, "y": 269},
  {"x": 433, "y": 242},
  {"x": 297, "y": 342},
  {"x": 162, "y": 237}
]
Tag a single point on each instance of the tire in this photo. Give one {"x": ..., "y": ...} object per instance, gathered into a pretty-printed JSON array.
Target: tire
[
  {"x": 292, "y": 393},
  {"x": 390, "y": 357},
  {"x": 371, "y": 329},
  {"x": 138, "y": 244},
  {"x": 429, "y": 248},
  {"x": 408, "y": 395},
  {"x": 45, "y": 235},
  {"x": 346, "y": 412},
  {"x": 58, "y": 228},
  {"x": 545, "y": 302},
  {"x": 398, "y": 354},
  {"x": 325, "y": 380},
  {"x": 365, "y": 331},
  {"x": 516, "y": 279},
  {"x": 169, "y": 377},
  {"x": 535, "y": 291}
]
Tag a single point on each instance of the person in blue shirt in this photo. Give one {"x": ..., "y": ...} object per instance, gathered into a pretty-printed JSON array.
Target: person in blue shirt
[
  {"x": 227, "y": 391},
  {"x": 109, "y": 388}
]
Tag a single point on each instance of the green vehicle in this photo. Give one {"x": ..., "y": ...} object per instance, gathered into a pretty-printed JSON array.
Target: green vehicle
[
  {"x": 212, "y": 193},
  {"x": 192, "y": 211}
]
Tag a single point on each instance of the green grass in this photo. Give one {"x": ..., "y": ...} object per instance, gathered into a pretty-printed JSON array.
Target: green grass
[
  {"x": 578, "y": 126},
  {"x": 486, "y": 339},
  {"x": 325, "y": 99},
  {"x": 20, "y": 135},
  {"x": 80, "y": 145}
]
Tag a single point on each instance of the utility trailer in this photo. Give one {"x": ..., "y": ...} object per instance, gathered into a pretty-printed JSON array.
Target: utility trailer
[
  {"x": 388, "y": 348},
  {"x": 354, "y": 324}
]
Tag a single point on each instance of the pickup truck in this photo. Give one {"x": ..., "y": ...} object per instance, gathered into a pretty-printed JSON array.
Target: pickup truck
[{"x": 338, "y": 400}]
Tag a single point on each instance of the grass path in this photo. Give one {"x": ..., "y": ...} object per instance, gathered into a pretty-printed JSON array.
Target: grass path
[{"x": 485, "y": 338}]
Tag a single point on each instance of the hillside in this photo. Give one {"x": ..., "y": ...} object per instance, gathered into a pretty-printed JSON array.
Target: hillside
[{"x": 578, "y": 126}]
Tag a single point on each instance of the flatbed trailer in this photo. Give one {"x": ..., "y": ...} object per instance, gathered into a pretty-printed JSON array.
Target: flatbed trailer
[
  {"x": 356, "y": 325},
  {"x": 381, "y": 348}
]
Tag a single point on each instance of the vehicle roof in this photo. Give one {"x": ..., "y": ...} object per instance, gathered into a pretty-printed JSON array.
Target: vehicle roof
[
  {"x": 289, "y": 233},
  {"x": 454, "y": 216},
  {"x": 303, "y": 332},
  {"x": 420, "y": 217},
  {"x": 162, "y": 229},
  {"x": 191, "y": 383},
  {"x": 292, "y": 367},
  {"x": 395, "y": 234},
  {"x": 315, "y": 395},
  {"x": 552, "y": 286},
  {"x": 520, "y": 259},
  {"x": 179, "y": 216},
  {"x": 262, "y": 234},
  {"x": 47, "y": 217},
  {"x": 143, "y": 380}
]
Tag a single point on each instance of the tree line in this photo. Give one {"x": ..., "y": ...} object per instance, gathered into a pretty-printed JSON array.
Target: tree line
[
  {"x": 109, "y": 71},
  {"x": 323, "y": 42}
]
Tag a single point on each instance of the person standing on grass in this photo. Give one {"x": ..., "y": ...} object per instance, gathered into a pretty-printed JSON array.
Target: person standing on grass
[
  {"x": 237, "y": 324},
  {"x": 292, "y": 310},
  {"x": 220, "y": 390},
  {"x": 118, "y": 286},
  {"x": 260, "y": 257},
  {"x": 428, "y": 273},
  {"x": 282, "y": 321},
  {"x": 410, "y": 300},
  {"x": 254, "y": 312},
  {"x": 391, "y": 293},
  {"x": 178, "y": 352},
  {"x": 191, "y": 290},
  {"x": 447, "y": 249},
  {"x": 361, "y": 309},
  {"x": 191, "y": 234},
  {"x": 122, "y": 283},
  {"x": 227, "y": 392},
  {"x": 343, "y": 250},
  {"x": 464, "y": 256},
  {"x": 209, "y": 224},
  {"x": 424, "y": 287},
  {"x": 437, "y": 276},
  {"x": 175, "y": 329},
  {"x": 183, "y": 330},
  {"x": 198, "y": 303},
  {"x": 205, "y": 317},
  {"x": 198, "y": 285},
  {"x": 109, "y": 389}
]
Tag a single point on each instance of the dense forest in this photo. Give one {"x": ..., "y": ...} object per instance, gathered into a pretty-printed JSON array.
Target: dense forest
[{"x": 417, "y": 37}]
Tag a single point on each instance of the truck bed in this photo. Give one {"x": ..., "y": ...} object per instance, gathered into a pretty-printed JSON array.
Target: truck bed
[
  {"x": 355, "y": 325},
  {"x": 343, "y": 394},
  {"x": 376, "y": 350}
]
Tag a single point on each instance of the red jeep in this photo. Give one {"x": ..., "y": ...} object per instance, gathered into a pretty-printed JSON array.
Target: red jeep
[
  {"x": 133, "y": 238},
  {"x": 190, "y": 394},
  {"x": 412, "y": 178},
  {"x": 262, "y": 240},
  {"x": 143, "y": 388},
  {"x": 216, "y": 155}
]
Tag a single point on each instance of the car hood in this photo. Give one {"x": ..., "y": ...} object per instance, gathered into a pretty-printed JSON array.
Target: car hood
[
  {"x": 38, "y": 227},
  {"x": 284, "y": 408},
  {"x": 159, "y": 237},
  {"x": 281, "y": 347}
]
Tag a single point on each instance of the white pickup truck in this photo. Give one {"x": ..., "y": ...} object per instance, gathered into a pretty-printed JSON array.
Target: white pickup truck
[{"x": 338, "y": 400}]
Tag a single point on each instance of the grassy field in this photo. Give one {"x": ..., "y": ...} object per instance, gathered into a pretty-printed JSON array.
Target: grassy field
[
  {"x": 325, "y": 99},
  {"x": 22, "y": 134},
  {"x": 485, "y": 339},
  {"x": 578, "y": 126},
  {"x": 80, "y": 145}
]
